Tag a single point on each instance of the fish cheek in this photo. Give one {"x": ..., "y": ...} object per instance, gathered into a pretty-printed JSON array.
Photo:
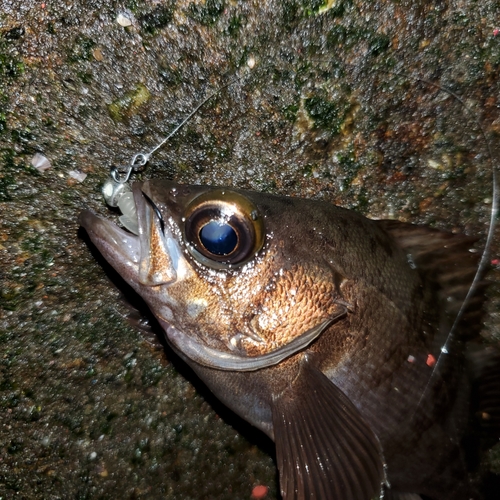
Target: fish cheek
[
  {"x": 217, "y": 306},
  {"x": 297, "y": 300},
  {"x": 198, "y": 307},
  {"x": 211, "y": 305}
]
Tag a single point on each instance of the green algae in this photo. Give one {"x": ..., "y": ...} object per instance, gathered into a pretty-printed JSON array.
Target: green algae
[
  {"x": 349, "y": 165},
  {"x": 207, "y": 13},
  {"x": 234, "y": 26},
  {"x": 296, "y": 10},
  {"x": 10, "y": 67},
  {"x": 313, "y": 7},
  {"x": 4, "y": 101},
  {"x": 128, "y": 105},
  {"x": 81, "y": 50},
  {"x": 326, "y": 114},
  {"x": 290, "y": 112},
  {"x": 8, "y": 172},
  {"x": 378, "y": 44},
  {"x": 157, "y": 19}
]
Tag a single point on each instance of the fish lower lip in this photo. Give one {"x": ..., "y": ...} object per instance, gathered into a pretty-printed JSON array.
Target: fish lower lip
[
  {"x": 116, "y": 244},
  {"x": 220, "y": 360}
]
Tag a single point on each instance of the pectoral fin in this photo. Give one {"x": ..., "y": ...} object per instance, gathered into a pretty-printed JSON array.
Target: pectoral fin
[{"x": 325, "y": 450}]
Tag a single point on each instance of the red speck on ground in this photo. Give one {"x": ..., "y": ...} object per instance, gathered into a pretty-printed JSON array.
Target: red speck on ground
[
  {"x": 496, "y": 31},
  {"x": 495, "y": 262},
  {"x": 259, "y": 491},
  {"x": 431, "y": 360}
]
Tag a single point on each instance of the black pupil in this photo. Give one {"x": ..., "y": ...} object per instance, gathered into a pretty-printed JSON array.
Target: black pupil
[{"x": 218, "y": 238}]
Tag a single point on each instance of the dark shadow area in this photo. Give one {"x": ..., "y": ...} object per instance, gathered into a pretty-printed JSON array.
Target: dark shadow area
[{"x": 490, "y": 487}]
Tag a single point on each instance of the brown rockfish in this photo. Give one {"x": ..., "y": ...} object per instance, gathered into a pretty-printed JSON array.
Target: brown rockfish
[{"x": 328, "y": 331}]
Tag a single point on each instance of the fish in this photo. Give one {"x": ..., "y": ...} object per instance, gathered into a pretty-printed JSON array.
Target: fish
[{"x": 330, "y": 332}]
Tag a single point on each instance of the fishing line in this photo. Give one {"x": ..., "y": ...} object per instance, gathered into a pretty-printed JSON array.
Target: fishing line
[
  {"x": 484, "y": 261},
  {"x": 485, "y": 256},
  {"x": 116, "y": 185}
]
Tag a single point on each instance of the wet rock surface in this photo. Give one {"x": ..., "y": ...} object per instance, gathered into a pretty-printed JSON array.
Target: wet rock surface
[{"x": 342, "y": 103}]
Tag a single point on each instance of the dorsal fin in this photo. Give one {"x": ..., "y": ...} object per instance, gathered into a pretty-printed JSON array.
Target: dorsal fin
[{"x": 450, "y": 261}]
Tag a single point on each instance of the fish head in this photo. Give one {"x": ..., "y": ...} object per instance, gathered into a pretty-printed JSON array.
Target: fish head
[{"x": 233, "y": 276}]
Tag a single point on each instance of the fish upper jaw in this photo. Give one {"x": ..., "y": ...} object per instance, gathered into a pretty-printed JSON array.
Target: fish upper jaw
[
  {"x": 150, "y": 258},
  {"x": 161, "y": 260}
]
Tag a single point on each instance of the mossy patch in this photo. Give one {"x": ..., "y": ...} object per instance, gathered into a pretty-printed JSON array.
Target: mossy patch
[
  {"x": 290, "y": 112},
  {"x": 126, "y": 106},
  {"x": 157, "y": 19},
  {"x": 235, "y": 23},
  {"x": 379, "y": 44},
  {"x": 85, "y": 77},
  {"x": 3, "y": 121},
  {"x": 7, "y": 175},
  {"x": 312, "y": 7},
  {"x": 349, "y": 165},
  {"x": 326, "y": 114},
  {"x": 10, "y": 65},
  {"x": 208, "y": 13},
  {"x": 295, "y": 10},
  {"x": 169, "y": 75},
  {"x": 81, "y": 49}
]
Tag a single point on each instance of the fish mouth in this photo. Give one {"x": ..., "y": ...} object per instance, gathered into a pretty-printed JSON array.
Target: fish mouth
[{"x": 129, "y": 250}]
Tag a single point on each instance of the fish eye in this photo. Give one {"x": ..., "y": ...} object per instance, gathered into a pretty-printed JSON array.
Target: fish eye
[{"x": 223, "y": 229}]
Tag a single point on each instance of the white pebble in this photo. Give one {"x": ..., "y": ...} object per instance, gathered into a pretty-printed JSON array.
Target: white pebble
[
  {"x": 40, "y": 162},
  {"x": 123, "y": 20},
  {"x": 76, "y": 174}
]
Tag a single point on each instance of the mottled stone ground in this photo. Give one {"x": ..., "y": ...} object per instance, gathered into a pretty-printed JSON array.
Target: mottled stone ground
[{"x": 338, "y": 106}]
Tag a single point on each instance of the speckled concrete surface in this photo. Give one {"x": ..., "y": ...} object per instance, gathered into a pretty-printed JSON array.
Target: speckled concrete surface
[{"x": 341, "y": 104}]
